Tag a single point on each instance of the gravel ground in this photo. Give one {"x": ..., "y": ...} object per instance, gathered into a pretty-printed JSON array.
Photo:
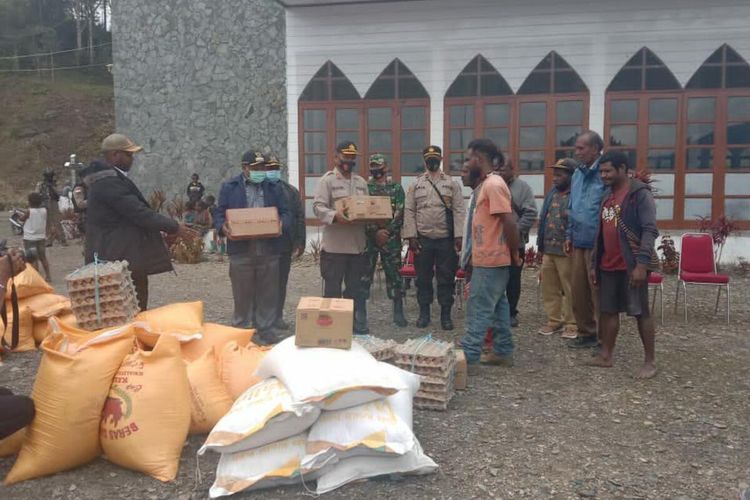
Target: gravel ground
[{"x": 550, "y": 427}]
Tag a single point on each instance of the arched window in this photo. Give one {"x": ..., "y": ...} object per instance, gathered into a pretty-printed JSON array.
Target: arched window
[
  {"x": 552, "y": 106},
  {"x": 330, "y": 111},
  {"x": 477, "y": 104},
  {"x": 397, "y": 118},
  {"x": 643, "y": 111},
  {"x": 717, "y": 138}
]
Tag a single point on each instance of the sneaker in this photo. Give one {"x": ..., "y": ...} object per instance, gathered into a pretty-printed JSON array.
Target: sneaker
[
  {"x": 493, "y": 359},
  {"x": 570, "y": 332},
  {"x": 548, "y": 330},
  {"x": 514, "y": 321},
  {"x": 584, "y": 342}
]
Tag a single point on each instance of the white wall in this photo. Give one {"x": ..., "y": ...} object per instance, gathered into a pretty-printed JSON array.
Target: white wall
[{"x": 437, "y": 38}]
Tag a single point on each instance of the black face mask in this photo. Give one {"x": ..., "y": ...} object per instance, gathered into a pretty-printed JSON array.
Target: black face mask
[
  {"x": 433, "y": 164},
  {"x": 377, "y": 173},
  {"x": 348, "y": 165}
]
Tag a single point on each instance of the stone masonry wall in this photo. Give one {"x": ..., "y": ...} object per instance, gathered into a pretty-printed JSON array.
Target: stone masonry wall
[{"x": 196, "y": 84}]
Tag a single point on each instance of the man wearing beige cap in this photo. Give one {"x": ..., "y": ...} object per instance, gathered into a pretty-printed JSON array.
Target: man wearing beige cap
[{"x": 120, "y": 224}]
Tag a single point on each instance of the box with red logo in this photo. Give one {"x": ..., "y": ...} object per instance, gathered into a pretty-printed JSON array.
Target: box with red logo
[
  {"x": 324, "y": 322},
  {"x": 252, "y": 223},
  {"x": 366, "y": 208}
]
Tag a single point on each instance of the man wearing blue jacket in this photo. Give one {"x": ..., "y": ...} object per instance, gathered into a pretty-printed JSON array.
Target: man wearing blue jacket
[
  {"x": 253, "y": 264},
  {"x": 586, "y": 192}
]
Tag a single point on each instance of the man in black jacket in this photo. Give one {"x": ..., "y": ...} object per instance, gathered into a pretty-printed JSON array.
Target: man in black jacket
[
  {"x": 120, "y": 224},
  {"x": 293, "y": 241}
]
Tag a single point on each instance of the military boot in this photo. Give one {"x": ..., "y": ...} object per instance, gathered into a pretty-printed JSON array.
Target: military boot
[
  {"x": 424, "y": 316},
  {"x": 360, "y": 318},
  {"x": 445, "y": 318},
  {"x": 398, "y": 311}
]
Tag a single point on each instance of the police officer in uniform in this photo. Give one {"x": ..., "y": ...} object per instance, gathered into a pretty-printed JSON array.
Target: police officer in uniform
[
  {"x": 343, "y": 257},
  {"x": 384, "y": 239},
  {"x": 433, "y": 224}
]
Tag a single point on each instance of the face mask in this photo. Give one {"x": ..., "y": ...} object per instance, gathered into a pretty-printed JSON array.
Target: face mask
[
  {"x": 273, "y": 175},
  {"x": 348, "y": 165},
  {"x": 377, "y": 173},
  {"x": 257, "y": 176},
  {"x": 433, "y": 165}
]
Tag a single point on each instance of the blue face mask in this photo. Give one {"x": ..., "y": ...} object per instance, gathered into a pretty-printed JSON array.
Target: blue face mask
[
  {"x": 273, "y": 175},
  {"x": 257, "y": 176}
]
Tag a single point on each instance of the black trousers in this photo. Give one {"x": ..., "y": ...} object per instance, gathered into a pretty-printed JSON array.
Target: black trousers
[
  {"x": 436, "y": 258},
  {"x": 255, "y": 281},
  {"x": 350, "y": 269},
  {"x": 140, "y": 281},
  {"x": 16, "y": 412},
  {"x": 285, "y": 265},
  {"x": 514, "y": 284}
]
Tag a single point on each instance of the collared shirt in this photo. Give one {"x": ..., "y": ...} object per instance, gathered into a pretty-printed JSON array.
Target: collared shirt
[
  {"x": 256, "y": 199},
  {"x": 586, "y": 194},
  {"x": 339, "y": 238},
  {"x": 121, "y": 171},
  {"x": 556, "y": 223},
  {"x": 425, "y": 213}
]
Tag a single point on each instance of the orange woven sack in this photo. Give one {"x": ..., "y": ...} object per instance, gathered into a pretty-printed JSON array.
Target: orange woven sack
[
  {"x": 237, "y": 365},
  {"x": 184, "y": 318},
  {"x": 42, "y": 328},
  {"x": 215, "y": 335},
  {"x": 28, "y": 283},
  {"x": 146, "y": 416},
  {"x": 209, "y": 398},
  {"x": 12, "y": 444},
  {"x": 46, "y": 305},
  {"x": 25, "y": 329},
  {"x": 71, "y": 386}
]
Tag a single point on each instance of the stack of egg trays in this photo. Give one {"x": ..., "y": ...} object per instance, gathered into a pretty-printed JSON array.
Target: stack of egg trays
[
  {"x": 435, "y": 361},
  {"x": 381, "y": 349},
  {"x": 116, "y": 295}
]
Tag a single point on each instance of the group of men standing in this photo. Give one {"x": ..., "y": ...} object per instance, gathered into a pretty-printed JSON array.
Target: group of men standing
[{"x": 596, "y": 233}]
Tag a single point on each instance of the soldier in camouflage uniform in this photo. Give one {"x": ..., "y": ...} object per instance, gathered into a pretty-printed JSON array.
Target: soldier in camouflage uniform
[{"x": 385, "y": 239}]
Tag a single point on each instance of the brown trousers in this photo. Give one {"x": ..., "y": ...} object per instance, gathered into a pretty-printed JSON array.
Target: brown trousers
[
  {"x": 585, "y": 300},
  {"x": 556, "y": 290}
]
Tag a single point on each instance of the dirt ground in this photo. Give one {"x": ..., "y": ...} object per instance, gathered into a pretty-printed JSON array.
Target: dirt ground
[{"x": 549, "y": 428}]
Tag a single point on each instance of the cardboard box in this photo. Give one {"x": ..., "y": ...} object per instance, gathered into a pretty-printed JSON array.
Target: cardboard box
[
  {"x": 366, "y": 208},
  {"x": 324, "y": 322},
  {"x": 462, "y": 368},
  {"x": 252, "y": 223}
]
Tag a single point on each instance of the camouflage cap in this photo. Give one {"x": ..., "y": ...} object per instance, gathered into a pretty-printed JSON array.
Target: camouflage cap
[{"x": 377, "y": 159}]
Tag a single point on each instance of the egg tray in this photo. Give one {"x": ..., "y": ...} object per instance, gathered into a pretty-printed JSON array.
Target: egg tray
[
  {"x": 437, "y": 384},
  {"x": 428, "y": 354},
  {"x": 381, "y": 349},
  {"x": 105, "y": 323},
  {"x": 126, "y": 284},
  {"x": 442, "y": 371},
  {"x": 122, "y": 296},
  {"x": 430, "y": 404},
  {"x": 104, "y": 285},
  {"x": 89, "y": 313},
  {"x": 106, "y": 274}
]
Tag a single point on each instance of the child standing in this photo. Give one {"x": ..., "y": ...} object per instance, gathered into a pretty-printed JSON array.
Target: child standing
[{"x": 34, "y": 232}]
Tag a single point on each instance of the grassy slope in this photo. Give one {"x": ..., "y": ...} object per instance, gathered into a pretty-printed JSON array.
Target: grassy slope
[{"x": 43, "y": 122}]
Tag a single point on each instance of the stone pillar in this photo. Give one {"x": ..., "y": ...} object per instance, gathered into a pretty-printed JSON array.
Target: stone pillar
[{"x": 196, "y": 84}]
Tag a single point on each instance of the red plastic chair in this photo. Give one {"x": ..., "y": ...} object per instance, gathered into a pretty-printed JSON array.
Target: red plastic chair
[
  {"x": 656, "y": 285},
  {"x": 407, "y": 271},
  {"x": 698, "y": 267}
]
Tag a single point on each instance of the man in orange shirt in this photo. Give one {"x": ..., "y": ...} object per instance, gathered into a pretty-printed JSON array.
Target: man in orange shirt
[{"x": 494, "y": 246}]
